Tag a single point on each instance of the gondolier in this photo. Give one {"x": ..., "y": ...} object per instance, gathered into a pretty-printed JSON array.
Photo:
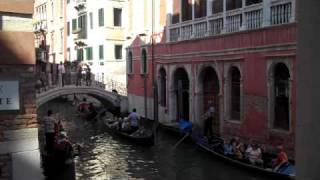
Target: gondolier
[
  {"x": 134, "y": 120},
  {"x": 49, "y": 124},
  {"x": 208, "y": 116}
]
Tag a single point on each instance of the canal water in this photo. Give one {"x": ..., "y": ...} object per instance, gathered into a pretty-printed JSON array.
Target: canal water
[{"x": 105, "y": 157}]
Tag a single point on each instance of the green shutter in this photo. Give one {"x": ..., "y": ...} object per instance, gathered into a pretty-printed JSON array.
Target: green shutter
[
  {"x": 101, "y": 17},
  {"x": 101, "y": 53},
  {"x": 74, "y": 24},
  {"x": 89, "y": 53}
]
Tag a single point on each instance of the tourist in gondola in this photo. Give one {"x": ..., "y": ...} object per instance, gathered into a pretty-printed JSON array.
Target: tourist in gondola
[
  {"x": 238, "y": 148},
  {"x": 254, "y": 155},
  {"x": 92, "y": 112},
  {"x": 63, "y": 148},
  {"x": 83, "y": 106},
  {"x": 228, "y": 148},
  {"x": 134, "y": 120},
  {"x": 281, "y": 160},
  {"x": 49, "y": 126}
]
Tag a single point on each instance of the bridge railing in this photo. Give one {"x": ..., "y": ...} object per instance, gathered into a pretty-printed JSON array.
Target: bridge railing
[{"x": 48, "y": 81}]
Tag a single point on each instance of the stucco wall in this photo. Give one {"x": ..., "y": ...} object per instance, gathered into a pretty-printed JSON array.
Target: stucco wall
[{"x": 254, "y": 49}]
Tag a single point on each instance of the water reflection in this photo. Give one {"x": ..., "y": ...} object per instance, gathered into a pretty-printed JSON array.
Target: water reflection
[{"x": 106, "y": 157}]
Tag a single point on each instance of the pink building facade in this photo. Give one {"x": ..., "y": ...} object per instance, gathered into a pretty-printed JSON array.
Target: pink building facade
[{"x": 241, "y": 60}]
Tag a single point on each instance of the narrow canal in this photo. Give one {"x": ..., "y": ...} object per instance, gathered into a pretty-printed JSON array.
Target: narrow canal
[{"x": 106, "y": 157}]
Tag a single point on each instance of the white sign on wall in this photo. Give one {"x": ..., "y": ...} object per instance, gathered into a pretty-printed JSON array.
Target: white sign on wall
[{"x": 9, "y": 95}]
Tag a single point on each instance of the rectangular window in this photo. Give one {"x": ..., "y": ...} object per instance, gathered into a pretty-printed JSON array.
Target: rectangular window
[
  {"x": 117, "y": 16},
  {"x": 101, "y": 63},
  {"x": 68, "y": 28},
  {"x": 61, "y": 41},
  {"x": 74, "y": 24},
  {"x": 89, "y": 53},
  {"x": 101, "y": 17},
  {"x": 176, "y": 11},
  {"x": 118, "y": 51},
  {"x": 200, "y": 7},
  {"x": 82, "y": 24},
  {"x": 91, "y": 20},
  {"x": 101, "y": 53},
  {"x": 186, "y": 10},
  {"x": 80, "y": 54},
  {"x": 61, "y": 8}
]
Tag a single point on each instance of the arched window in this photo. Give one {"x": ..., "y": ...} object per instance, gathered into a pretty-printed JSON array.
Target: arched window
[
  {"x": 235, "y": 93},
  {"x": 130, "y": 63},
  {"x": 281, "y": 93},
  {"x": 163, "y": 87},
  {"x": 144, "y": 62}
]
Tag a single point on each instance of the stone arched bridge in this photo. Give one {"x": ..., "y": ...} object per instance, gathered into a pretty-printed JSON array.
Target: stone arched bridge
[{"x": 108, "y": 98}]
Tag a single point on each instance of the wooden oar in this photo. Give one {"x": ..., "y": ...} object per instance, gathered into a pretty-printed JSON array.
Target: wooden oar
[{"x": 180, "y": 141}]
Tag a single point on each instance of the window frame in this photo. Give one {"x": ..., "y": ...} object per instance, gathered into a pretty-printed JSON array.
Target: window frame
[
  {"x": 228, "y": 92},
  {"x": 144, "y": 64},
  {"x": 118, "y": 17},
  {"x": 101, "y": 17},
  {"x": 116, "y": 53},
  {"x": 101, "y": 52},
  {"x": 89, "y": 53}
]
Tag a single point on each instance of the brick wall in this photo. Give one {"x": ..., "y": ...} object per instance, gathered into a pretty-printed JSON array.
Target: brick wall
[{"x": 26, "y": 117}]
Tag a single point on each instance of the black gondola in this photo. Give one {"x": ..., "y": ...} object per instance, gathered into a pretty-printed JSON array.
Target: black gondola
[
  {"x": 147, "y": 140},
  {"x": 209, "y": 148}
]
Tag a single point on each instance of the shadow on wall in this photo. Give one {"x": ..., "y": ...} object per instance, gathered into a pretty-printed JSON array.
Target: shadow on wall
[
  {"x": 1, "y": 22},
  {"x": 17, "y": 48}
]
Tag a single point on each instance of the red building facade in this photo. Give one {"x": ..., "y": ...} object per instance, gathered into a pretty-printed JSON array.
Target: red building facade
[{"x": 239, "y": 56}]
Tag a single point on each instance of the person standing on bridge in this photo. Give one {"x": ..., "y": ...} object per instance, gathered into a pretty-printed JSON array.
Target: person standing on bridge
[
  {"x": 62, "y": 73},
  {"x": 88, "y": 77},
  {"x": 79, "y": 75}
]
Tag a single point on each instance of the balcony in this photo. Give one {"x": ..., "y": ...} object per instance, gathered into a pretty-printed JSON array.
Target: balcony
[
  {"x": 246, "y": 18},
  {"x": 39, "y": 26},
  {"x": 81, "y": 6},
  {"x": 80, "y": 34}
]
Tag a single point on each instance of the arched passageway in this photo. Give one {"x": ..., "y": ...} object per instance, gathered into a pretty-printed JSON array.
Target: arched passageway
[
  {"x": 181, "y": 94},
  {"x": 209, "y": 95}
]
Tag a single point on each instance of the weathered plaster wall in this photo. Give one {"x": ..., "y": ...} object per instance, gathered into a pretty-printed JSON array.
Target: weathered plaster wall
[{"x": 254, "y": 49}]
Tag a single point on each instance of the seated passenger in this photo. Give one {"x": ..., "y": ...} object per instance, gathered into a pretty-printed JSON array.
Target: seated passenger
[
  {"x": 228, "y": 148},
  {"x": 63, "y": 147},
  {"x": 254, "y": 154},
  {"x": 83, "y": 106},
  {"x": 239, "y": 150},
  {"x": 281, "y": 160},
  {"x": 125, "y": 126},
  {"x": 92, "y": 112}
]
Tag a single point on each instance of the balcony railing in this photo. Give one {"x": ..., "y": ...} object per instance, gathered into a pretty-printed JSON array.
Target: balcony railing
[
  {"x": 249, "y": 17},
  {"x": 281, "y": 13},
  {"x": 40, "y": 25},
  {"x": 80, "y": 6}
]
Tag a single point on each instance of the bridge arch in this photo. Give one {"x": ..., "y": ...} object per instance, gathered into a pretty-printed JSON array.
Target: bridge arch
[{"x": 107, "y": 98}]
